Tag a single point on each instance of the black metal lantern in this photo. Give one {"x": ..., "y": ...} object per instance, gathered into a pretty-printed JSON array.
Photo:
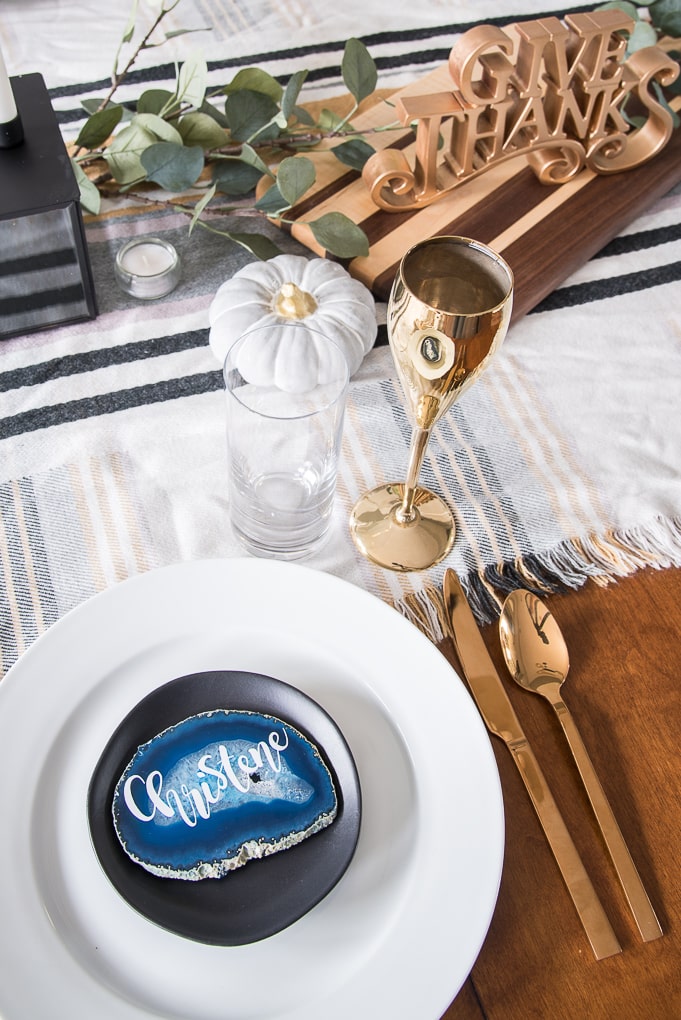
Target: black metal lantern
[{"x": 45, "y": 274}]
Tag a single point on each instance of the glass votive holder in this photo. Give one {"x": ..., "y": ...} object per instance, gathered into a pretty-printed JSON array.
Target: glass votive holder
[{"x": 147, "y": 268}]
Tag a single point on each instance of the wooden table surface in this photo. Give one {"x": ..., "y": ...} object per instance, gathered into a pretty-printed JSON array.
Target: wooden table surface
[{"x": 624, "y": 691}]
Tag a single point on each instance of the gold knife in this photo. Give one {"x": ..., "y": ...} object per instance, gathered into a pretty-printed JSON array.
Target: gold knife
[{"x": 500, "y": 718}]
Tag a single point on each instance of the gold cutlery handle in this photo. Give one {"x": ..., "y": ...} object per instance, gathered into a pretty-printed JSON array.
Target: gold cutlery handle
[
  {"x": 497, "y": 711},
  {"x": 630, "y": 880},
  {"x": 598, "y": 929}
]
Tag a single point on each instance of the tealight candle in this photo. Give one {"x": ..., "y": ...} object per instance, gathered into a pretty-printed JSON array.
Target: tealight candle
[{"x": 147, "y": 267}]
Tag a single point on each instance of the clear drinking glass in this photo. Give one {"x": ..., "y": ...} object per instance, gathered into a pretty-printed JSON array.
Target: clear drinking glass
[{"x": 286, "y": 386}]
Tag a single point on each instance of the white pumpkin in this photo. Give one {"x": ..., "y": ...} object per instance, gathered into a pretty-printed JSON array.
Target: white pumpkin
[{"x": 292, "y": 288}]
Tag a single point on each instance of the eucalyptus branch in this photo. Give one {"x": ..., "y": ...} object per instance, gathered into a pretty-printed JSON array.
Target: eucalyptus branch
[
  {"x": 173, "y": 138},
  {"x": 313, "y": 138},
  {"x": 296, "y": 139},
  {"x": 260, "y": 136},
  {"x": 179, "y": 206},
  {"x": 213, "y": 212},
  {"x": 257, "y": 244},
  {"x": 116, "y": 78}
]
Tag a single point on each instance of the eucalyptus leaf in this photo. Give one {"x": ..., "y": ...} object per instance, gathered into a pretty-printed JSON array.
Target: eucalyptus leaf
[
  {"x": 329, "y": 121},
  {"x": 191, "y": 81},
  {"x": 173, "y": 34},
  {"x": 295, "y": 175},
  {"x": 353, "y": 153},
  {"x": 200, "y": 129},
  {"x": 99, "y": 126},
  {"x": 291, "y": 93},
  {"x": 258, "y": 244},
  {"x": 643, "y": 35},
  {"x": 250, "y": 156},
  {"x": 250, "y": 115},
  {"x": 666, "y": 17},
  {"x": 92, "y": 106},
  {"x": 123, "y": 155},
  {"x": 621, "y": 5},
  {"x": 155, "y": 100},
  {"x": 158, "y": 128},
  {"x": 173, "y": 166},
  {"x": 215, "y": 114},
  {"x": 200, "y": 206},
  {"x": 339, "y": 235},
  {"x": 303, "y": 116},
  {"x": 129, "y": 29},
  {"x": 272, "y": 203},
  {"x": 675, "y": 87},
  {"x": 128, "y": 33},
  {"x": 358, "y": 70},
  {"x": 253, "y": 79},
  {"x": 132, "y": 138},
  {"x": 676, "y": 121},
  {"x": 90, "y": 198},
  {"x": 234, "y": 177}
]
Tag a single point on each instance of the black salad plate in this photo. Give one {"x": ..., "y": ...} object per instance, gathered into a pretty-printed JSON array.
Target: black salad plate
[{"x": 265, "y": 896}]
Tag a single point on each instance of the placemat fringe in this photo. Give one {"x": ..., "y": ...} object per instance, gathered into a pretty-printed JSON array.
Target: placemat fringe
[
  {"x": 425, "y": 609},
  {"x": 603, "y": 559}
]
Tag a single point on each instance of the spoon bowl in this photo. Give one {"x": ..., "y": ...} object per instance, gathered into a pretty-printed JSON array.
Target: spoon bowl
[
  {"x": 532, "y": 644},
  {"x": 537, "y": 658}
]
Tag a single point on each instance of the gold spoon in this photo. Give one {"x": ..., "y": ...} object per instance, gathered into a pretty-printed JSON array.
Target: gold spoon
[{"x": 537, "y": 659}]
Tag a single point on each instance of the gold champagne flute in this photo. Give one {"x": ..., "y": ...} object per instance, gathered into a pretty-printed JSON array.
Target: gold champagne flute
[{"x": 448, "y": 313}]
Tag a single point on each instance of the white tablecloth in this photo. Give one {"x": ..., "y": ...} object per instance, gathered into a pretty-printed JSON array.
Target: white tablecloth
[{"x": 562, "y": 462}]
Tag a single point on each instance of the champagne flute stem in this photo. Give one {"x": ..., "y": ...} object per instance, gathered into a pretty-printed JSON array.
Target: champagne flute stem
[{"x": 405, "y": 513}]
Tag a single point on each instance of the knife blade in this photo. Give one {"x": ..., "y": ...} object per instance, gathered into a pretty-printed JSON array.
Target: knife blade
[{"x": 497, "y": 711}]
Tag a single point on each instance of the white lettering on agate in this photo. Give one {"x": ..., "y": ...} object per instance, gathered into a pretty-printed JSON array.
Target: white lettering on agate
[{"x": 193, "y": 803}]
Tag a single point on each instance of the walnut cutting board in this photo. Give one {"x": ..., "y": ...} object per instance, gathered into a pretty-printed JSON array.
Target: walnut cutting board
[{"x": 544, "y": 232}]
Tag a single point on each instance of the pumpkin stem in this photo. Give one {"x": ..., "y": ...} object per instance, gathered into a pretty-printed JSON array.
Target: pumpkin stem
[{"x": 293, "y": 303}]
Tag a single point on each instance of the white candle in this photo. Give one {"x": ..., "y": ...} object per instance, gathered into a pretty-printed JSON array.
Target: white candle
[
  {"x": 147, "y": 268},
  {"x": 147, "y": 259},
  {"x": 8, "y": 107}
]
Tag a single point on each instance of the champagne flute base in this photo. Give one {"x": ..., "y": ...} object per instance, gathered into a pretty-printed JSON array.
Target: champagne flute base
[{"x": 415, "y": 545}]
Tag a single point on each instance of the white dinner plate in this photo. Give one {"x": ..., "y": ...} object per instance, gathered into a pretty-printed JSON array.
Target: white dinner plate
[{"x": 396, "y": 936}]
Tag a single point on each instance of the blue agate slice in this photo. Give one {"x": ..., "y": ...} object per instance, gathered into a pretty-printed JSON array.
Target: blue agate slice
[{"x": 217, "y": 790}]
